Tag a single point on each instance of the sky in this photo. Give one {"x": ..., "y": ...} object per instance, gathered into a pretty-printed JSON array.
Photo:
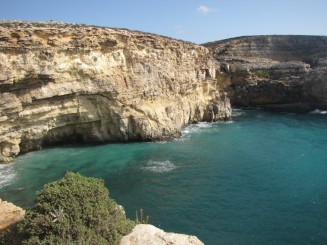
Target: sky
[{"x": 197, "y": 21}]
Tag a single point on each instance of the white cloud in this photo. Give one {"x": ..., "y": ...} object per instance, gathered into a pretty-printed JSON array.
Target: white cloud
[
  {"x": 202, "y": 9},
  {"x": 179, "y": 30}
]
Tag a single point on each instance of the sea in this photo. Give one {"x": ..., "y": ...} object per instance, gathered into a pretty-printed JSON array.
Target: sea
[{"x": 258, "y": 178}]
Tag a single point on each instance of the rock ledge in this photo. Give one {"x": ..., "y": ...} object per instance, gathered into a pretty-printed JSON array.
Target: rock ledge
[
  {"x": 9, "y": 214},
  {"x": 151, "y": 235}
]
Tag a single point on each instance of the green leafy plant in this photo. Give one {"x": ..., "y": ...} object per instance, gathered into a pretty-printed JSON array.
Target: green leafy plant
[
  {"x": 262, "y": 73},
  {"x": 72, "y": 210}
]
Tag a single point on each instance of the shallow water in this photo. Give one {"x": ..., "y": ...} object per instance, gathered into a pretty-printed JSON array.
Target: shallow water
[{"x": 259, "y": 178}]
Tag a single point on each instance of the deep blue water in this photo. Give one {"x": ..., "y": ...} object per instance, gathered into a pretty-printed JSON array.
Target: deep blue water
[{"x": 260, "y": 178}]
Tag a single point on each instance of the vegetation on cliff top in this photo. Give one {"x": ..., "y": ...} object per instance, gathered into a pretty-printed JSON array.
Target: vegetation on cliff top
[
  {"x": 263, "y": 74},
  {"x": 59, "y": 24},
  {"x": 73, "y": 210}
]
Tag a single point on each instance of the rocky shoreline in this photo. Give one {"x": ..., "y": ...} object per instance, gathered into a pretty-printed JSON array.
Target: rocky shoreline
[
  {"x": 278, "y": 72},
  {"x": 63, "y": 83}
]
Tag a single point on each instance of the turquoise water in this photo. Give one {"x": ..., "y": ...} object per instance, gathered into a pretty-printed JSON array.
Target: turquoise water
[{"x": 257, "y": 179}]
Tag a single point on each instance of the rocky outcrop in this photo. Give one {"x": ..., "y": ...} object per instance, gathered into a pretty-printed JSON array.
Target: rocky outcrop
[
  {"x": 64, "y": 82},
  {"x": 73, "y": 83},
  {"x": 150, "y": 235},
  {"x": 9, "y": 214},
  {"x": 276, "y": 72}
]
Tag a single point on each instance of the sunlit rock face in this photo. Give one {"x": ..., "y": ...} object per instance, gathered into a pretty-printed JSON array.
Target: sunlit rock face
[
  {"x": 73, "y": 83},
  {"x": 277, "y": 72},
  {"x": 9, "y": 214},
  {"x": 148, "y": 234}
]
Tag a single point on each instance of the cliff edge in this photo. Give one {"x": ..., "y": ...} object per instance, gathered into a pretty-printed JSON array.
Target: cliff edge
[
  {"x": 280, "y": 72},
  {"x": 65, "y": 83}
]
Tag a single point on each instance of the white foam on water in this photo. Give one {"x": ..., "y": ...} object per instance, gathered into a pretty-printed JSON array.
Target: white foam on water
[
  {"x": 158, "y": 166},
  {"x": 194, "y": 128},
  {"x": 204, "y": 125},
  {"x": 237, "y": 113},
  {"x": 226, "y": 122},
  {"x": 201, "y": 127},
  {"x": 7, "y": 174},
  {"x": 160, "y": 142},
  {"x": 320, "y": 112},
  {"x": 182, "y": 139}
]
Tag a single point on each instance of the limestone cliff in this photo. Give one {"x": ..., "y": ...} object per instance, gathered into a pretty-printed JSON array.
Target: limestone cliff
[
  {"x": 277, "y": 72},
  {"x": 64, "y": 82}
]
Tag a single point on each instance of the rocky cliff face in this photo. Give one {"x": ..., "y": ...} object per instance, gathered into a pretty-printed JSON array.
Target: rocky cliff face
[
  {"x": 277, "y": 72},
  {"x": 62, "y": 83}
]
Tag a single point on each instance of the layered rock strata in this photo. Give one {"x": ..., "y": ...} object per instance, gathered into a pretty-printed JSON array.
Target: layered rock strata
[
  {"x": 64, "y": 82},
  {"x": 276, "y": 72},
  {"x": 151, "y": 235}
]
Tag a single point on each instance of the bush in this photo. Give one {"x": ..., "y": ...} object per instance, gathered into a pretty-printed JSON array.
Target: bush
[
  {"x": 73, "y": 210},
  {"x": 265, "y": 74}
]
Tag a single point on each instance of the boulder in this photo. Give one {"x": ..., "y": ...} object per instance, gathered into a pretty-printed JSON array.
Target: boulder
[
  {"x": 9, "y": 214},
  {"x": 151, "y": 235}
]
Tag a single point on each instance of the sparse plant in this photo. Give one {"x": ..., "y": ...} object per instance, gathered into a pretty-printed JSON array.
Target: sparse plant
[
  {"x": 139, "y": 217},
  {"x": 57, "y": 214}
]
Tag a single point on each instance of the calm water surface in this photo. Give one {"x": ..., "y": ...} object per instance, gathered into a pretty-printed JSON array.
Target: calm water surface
[{"x": 260, "y": 178}]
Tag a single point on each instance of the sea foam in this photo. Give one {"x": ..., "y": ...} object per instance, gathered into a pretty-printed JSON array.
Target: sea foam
[
  {"x": 195, "y": 128},
  {"x": 7, "y": 174},
  {"x": 159, "y": 166},
  {"x": 320, "y": 112}
]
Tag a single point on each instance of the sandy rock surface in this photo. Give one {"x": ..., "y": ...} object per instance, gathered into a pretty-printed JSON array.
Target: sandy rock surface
[
  {"x": 151, "y": 235},
  {"x": 9, "y": 214}
]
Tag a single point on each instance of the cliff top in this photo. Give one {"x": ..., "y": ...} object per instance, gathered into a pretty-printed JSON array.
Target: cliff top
[
  {"x": 51, "y": 24},
  {"x": 280, "y": 48},
  {"x": 262, "y": 37}
]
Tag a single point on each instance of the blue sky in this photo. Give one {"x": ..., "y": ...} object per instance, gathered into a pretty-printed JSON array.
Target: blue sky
[{"x": 197, "y": 21}]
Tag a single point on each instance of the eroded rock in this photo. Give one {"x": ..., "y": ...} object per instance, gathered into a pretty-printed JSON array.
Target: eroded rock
[
  {"x": 63, "y": 82},
  {"x": 281, "y": 72},
  {"x": 9, "y": 214},
  {"x": 151, "y": 235}
]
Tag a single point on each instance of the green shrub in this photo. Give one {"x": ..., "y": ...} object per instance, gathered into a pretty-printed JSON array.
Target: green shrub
[
  {"x": 72, "y": 210},
  {"x": 262, "y": 73}
]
